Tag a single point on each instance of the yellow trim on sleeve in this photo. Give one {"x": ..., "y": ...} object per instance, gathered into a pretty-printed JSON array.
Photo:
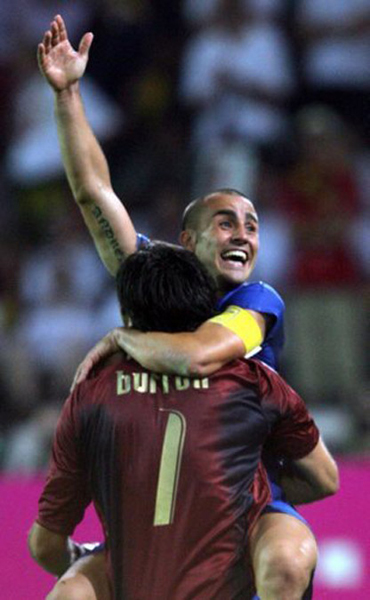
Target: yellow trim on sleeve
[{"x": 244, "y": 325}]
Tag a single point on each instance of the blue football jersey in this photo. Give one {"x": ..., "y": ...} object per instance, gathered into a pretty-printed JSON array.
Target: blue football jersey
[{"x": 261, "y": 298}]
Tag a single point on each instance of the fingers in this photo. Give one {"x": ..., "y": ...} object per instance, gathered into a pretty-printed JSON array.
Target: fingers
[
  {"x": 42, "y": 50},
  {"x": 56, "y": 34},
  {"x": 77, "y": 378},
  {"x": 63, "y": 35},
  {"x": 40, "y": 53},
  {"x": 58, "y": 30},
  {"x": 85, "y": 44},
  {"x": 47, "y": 41},
  {"x": 82, "y": 372}
]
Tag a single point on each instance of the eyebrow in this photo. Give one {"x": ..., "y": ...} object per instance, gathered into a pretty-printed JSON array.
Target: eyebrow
[{"x": 231, "y": 213}]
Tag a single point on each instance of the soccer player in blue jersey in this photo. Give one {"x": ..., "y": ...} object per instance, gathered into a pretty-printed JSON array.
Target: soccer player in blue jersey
[
  {"x": 171, "y": 463},
  {"x": 222, "y": 229}
]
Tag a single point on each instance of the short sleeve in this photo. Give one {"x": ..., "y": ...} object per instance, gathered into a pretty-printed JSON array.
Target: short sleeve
[
  {"x": 66, "y": 493},
  {"x": 292, "y": 431}
]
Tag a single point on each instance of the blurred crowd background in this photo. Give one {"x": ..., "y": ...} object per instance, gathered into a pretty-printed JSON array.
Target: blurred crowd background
[{"x": 267, "y": 96}]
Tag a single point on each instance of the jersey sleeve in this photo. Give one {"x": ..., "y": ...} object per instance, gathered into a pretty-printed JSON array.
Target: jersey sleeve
[
  {"x": 292, "y": 431},
  {"x": 262, "y": 298},
  {"x": 258, "y": 296},
  {"x": 66, "y": 492},
  {"x": 142, "y": 241}
]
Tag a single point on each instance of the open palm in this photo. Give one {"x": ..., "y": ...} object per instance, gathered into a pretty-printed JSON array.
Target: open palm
[{"x": 58, "y": 61}]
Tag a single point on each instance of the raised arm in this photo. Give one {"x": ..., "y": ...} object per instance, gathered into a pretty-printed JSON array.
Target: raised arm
[{"x": 84, "y": 161}]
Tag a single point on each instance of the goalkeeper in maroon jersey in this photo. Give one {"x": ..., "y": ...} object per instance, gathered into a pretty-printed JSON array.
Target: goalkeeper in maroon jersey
[{"x": 172, "y": 464}]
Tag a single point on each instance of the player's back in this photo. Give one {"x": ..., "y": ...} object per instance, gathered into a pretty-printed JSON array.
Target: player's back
[{"x": 171, "y": 463}]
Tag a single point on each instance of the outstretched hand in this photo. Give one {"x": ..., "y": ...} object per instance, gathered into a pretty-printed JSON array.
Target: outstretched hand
[
  {"x": 60, "y": 64},
  {"x": 105, "y": 347}
]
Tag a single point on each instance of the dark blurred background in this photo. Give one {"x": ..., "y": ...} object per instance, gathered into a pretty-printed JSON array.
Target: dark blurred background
[{"x": 268, "y": 96}]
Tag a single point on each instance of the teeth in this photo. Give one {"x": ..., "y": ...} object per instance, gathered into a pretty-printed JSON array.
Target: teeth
[{"x": 235, "y": 255}]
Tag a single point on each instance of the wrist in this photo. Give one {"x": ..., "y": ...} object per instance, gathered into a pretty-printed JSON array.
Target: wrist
[
  {"x": 68, "y": 93},
  {"x": 118, "y": 338}
]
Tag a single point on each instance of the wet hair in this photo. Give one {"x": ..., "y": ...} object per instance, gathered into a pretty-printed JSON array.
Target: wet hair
[
  {"x": 165, "y": 288},
  {"x": 191, "y": 215}
]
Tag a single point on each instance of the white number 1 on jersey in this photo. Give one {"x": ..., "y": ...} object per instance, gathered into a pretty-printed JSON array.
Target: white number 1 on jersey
[{"x": 169, "y": 470}]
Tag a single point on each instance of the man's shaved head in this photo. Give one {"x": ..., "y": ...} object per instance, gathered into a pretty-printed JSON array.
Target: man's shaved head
[{"x": 191, "y": 216}]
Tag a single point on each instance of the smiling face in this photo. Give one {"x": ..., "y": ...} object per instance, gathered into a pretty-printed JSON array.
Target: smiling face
[{"x": 225, "y": 238}]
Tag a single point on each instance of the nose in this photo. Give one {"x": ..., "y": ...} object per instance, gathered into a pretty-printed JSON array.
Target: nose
[{"x": 240, "y": 234}]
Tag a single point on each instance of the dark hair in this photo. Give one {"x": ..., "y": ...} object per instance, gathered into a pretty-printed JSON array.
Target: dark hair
[
  {"x": 165, "y": 288},
  {"x": 191, "y": 214}
]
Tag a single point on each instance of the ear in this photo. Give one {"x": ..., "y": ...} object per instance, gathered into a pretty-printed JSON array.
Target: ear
[{"x": 188, "y": 239}]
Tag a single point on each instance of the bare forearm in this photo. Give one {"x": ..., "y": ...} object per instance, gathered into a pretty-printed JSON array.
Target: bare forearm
[
  {"x": 53, "y": 552},
  {"x": 83, "y": 158},
  {"x": 299, "y": 491},
  {"x": 89, "y": 178},
  {"x": 187, "y": 354},
  {"x": 311, "y": 478},
  {"x": 158, "y": 352},
  {"x": 190, "y": 354},
  {"x": 84, "y": 161}
]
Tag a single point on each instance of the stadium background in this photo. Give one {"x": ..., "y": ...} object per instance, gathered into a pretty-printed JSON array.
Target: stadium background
[{"x": 169, "y": 137}]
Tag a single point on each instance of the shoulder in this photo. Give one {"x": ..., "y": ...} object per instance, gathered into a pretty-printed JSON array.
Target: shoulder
[
  {"x": 273, "y": 390},
  {"x": 254, "y": 374},
  {"x": 239, "y": 372},
  {"x": 258, "y": 296},
  {"x": 276, "y": 393},
  {"x": 101, "y": 379}
]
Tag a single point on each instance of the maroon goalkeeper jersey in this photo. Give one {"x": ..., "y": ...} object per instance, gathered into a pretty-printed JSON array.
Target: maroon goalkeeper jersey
[{"x": 173, "y": 467}]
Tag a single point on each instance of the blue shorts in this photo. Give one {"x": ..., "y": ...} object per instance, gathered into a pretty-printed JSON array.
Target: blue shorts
[{"x": 279, "y": 504}]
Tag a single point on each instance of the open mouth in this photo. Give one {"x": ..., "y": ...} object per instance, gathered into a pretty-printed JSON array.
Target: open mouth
[{"x": 235, "y": 256}]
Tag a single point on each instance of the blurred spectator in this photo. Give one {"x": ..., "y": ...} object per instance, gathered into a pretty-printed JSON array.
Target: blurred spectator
[
  {"x": 319, "y": 195},
  {"x": 30, "y": 17},
  {"x": 33, "y": 155},
  {"x": 8, "y": 49},
  {"x": 21, "y": 22},
  {"x": 274, "y": 263},
  {"x": 27, "y": 445},
  {"x": 201, "y": 14},
  {"x": 147, "y": 36},
  {"x": 335, "y": 47},
  {"x": 237, "y": 78},
  {"x": 60, "y": 284},
  {"x": 123, "y": 40}
]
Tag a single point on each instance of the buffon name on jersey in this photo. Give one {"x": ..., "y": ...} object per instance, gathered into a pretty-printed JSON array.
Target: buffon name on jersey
[{"x": 145, "y": 383}]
